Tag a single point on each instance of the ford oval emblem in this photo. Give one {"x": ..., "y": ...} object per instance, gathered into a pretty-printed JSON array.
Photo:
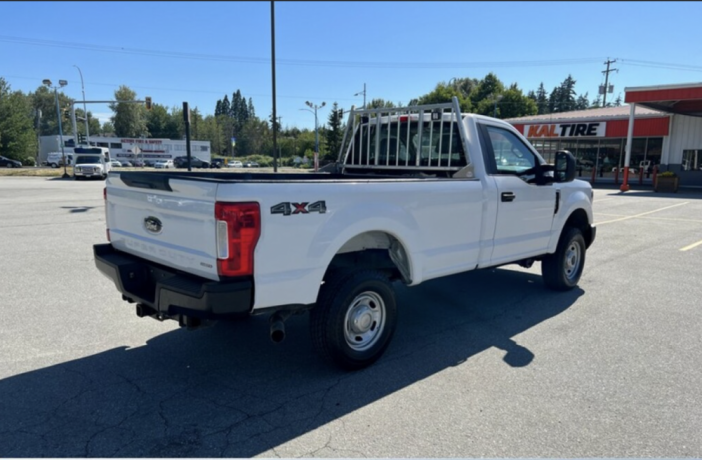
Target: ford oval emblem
[{"x": 153, "y": 225}]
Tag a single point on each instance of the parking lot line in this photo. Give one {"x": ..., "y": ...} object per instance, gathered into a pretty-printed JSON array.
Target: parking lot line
[
  {"x": 693, "y": 245},
  {"x": 642, "y": 214}
]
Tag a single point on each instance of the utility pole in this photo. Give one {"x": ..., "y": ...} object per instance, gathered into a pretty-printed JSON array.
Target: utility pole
[
  {"x": 364, "y": 95},
  {"x": 606, "y": 73}
]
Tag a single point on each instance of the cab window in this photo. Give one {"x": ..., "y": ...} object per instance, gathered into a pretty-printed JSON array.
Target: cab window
[{"x": 510, "y": 154}]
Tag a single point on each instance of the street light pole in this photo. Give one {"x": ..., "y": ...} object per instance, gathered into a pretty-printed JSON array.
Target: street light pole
[
  {"x": 82, "y": 87},
  {"x": 62, "y": 83},
  {"x": 316, "y": 133}
]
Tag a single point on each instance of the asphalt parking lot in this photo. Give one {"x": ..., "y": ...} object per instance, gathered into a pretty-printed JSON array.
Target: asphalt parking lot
[{"x": 483, "y": 364}]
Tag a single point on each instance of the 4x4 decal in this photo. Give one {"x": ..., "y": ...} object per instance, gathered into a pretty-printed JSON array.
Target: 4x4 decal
[{"x": 288, "y": 208}]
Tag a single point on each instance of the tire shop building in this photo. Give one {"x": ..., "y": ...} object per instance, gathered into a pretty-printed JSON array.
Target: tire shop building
[{"x": 666, "y": 124}]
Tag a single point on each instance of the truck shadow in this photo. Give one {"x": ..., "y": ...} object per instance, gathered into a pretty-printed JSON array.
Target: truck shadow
[
  {"x": 75, "y": 209},
  {"x": 228, "y": 391}
]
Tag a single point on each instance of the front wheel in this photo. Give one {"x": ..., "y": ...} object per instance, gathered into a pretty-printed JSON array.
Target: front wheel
[
  {"x": 561, "y": 270},
  {"x": 354, "y": 319}
]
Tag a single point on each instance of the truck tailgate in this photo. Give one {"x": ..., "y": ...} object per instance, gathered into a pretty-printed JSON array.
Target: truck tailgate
[{"x": 170, "y": 221}]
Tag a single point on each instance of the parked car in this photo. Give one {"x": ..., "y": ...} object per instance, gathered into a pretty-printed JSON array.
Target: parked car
[
  {"x": 235, "y": 164},
  {"x": 138, "y": 163},
  {"x": 164, "y": 164},
  {"x": 217, "y": 163},
  {"x": 195, "y": 162},
  {"x": 126, "y": 164},
  {"x": 115, "y": 164},
  {"x": 150, "y": 163},
  {"x": 250, "y": 164},
  {"x": 10, "y": 163}
]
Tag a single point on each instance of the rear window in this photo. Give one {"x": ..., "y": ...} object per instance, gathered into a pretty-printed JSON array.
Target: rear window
[{"x": 437, "y": 144}]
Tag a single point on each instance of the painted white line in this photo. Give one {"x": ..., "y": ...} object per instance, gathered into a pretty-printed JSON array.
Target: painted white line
[
  {"x": 642, "y": 214},
  {"x": 693, "y": 245}
]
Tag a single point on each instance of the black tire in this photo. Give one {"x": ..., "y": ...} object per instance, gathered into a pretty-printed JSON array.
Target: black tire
[
  {"x": 561, "y": 270},
  {"x": 366, "y": 295}
]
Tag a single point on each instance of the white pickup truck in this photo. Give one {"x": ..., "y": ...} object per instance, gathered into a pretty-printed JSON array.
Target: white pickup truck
[{"x": 417, "y": 193}]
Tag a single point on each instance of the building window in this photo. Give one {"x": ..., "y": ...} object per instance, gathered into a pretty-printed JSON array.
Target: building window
[
  {"x": 115, "y": 145},
  {"x": 692, "y": 160}
]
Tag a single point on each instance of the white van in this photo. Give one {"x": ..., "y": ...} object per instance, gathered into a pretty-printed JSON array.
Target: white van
[{"x": 55, "y": 159}]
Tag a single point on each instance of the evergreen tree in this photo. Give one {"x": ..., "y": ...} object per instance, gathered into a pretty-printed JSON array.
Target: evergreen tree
[
  {"x": 583, "y": 102},
  {"x": 542, "y": 101},
  {"x": 226, "y": 106},
  {"x": 218, "y": 108},
  {"x": 252, "y": 112},
  {"x": 335, "y": 133}
]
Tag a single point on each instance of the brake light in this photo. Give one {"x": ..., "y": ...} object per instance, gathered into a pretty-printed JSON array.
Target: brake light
[
  {"x": 238, "y": 227},
  {"x": 104, "y": 197}
]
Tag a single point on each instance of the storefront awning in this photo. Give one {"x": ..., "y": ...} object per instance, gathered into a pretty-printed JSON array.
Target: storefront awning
[{"x": 684, "y": 99}]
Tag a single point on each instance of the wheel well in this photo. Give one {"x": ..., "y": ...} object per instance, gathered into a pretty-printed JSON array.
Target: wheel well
[
  {"x": 373, "y": 250},
  {"x": 580, "y": 221}
]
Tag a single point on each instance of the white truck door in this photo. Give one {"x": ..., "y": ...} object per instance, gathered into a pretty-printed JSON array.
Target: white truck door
[{"x": 525, "y": 210}]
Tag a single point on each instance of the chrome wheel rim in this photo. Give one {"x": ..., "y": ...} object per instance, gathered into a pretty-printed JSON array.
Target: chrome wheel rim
[
  {"x": 364, "y": 321},
  {"x": 573, "y": 256}
]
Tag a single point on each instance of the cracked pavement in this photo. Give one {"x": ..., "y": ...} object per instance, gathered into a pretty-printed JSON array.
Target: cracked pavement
[{"x": 483, "y": 364}]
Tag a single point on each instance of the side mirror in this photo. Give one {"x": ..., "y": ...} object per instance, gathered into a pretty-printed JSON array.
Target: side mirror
[{"x": 565, "y": 166}]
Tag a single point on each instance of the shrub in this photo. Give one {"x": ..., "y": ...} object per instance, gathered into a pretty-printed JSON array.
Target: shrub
[{"x": 29, "y": 161}]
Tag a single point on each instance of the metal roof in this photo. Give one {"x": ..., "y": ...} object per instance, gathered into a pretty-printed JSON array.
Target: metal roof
[{"x": 604, "y": 113}]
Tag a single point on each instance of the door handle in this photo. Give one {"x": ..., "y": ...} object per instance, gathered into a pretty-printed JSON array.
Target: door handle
[{"x": 508, "y": 196}]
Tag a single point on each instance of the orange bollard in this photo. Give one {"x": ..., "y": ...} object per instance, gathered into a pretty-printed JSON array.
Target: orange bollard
[
  {"x": 616, "y": 176},
  {"x": 655, "y": 174}
]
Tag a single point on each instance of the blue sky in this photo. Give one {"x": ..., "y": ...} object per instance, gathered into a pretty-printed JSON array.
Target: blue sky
[{"x": 325, "y": 51}]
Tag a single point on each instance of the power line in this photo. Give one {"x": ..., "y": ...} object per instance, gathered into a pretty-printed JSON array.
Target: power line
[{"x": 297, "y": 62}]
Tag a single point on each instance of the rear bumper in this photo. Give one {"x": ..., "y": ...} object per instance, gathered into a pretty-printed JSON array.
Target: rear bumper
[{"x": 168, "y": 294}]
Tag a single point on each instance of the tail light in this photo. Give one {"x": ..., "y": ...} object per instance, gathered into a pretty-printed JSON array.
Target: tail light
[
  {"x": 238, "y": 229},
  {"x": 104, "y": 197}
]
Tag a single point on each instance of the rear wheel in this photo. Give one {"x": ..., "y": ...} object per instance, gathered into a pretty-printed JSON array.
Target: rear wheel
[
  {"x": 354, "y": 319},
  {"x": 561, "y": 270}
]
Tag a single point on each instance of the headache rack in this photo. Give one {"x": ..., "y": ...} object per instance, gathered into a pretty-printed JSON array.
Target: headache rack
[{"x": 416, "y": 139}]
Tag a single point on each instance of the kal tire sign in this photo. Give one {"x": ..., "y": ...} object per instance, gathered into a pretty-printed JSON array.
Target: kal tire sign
[{"x": 558, "y": 130}]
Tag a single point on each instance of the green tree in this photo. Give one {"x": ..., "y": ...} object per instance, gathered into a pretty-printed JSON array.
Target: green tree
[
  {"x": 211, "y": 131},
  {"x": 562, "y": 97},
  {"x": 43, "y": 100},
  {"x": 335, "y": 133},
  {"x": 542, "y": 100},
  {"x": 514, "y": 104},
  {"x": 129, "y": 119},
  {"x": 107, "y": 129},
  {"x": 379, "y": 104},
  {"x": 443, "y": 92},
  {"x": 485, "y": 92},
  {"x": 17, "y": 136},
  {"x": 157, "y": 121},
  {"x": 582, "y": 103}
]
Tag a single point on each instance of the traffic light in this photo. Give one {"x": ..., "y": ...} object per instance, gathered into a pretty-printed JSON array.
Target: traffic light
[{"x": 147, "y": 100}]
